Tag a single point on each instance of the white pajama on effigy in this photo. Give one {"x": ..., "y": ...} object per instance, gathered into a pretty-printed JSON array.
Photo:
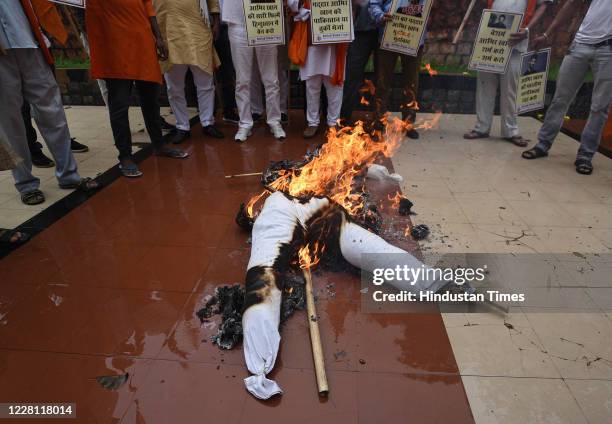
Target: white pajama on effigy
[{"x": 274, "y": 227}]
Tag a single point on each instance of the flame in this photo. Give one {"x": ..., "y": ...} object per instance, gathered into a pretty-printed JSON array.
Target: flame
[
  {"x": 432, "y": 71},
  {"x": 363, "y": 101},
  {"x": 407, "y": 231},
  {"x": 346, "y": 154},
  {"x": 251, "y": 204},
  {"x": 395, "y": 199},
  {"x": 306, "y": 260}
]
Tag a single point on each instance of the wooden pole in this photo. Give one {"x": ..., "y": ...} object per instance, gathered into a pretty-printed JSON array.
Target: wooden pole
[
  {"x": 465, "y": 19},
  {"x": 315, "y": 336},
  {"x": 252, "y": 174}
]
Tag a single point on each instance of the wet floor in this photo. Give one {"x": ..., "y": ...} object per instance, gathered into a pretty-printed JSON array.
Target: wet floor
[{"x": 113, "y": 288}]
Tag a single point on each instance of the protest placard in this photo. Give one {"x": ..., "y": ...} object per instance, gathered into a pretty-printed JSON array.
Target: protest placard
[
  {"x": 331, "y": 21},
  {"x": 404, "y": 33},
  {"x": 264, "y": 22},
  {"x": 77, "y": 3},
  {"x": 532, "y": 82},
  {"x": 492, "y": 49}
]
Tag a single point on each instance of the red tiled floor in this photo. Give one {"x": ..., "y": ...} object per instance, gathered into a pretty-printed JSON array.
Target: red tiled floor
[{"x": 114, "y": 286}]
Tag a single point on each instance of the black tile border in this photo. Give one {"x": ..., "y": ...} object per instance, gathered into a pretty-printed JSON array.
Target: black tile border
[{"x": 57, "y": 210}]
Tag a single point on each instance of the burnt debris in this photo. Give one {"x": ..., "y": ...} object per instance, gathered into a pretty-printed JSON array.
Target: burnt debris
[
  {"x": 228, "y": 301},
  {"x": 243, "y": 219},
  {"x": 419, "y": 232},
  {"x": 405, "y": 207}
]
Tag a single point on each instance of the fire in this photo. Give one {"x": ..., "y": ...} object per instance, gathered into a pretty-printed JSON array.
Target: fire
[
  {"x": 407, "y": 231},
  {"x": 368, "y": 88},
  {"x": 395, "y": 199},
  {"x": 251, "y": 204},
  {"x": 306, "y": 260},
  {"x": 346, "y": 154},
  {"x": 363, "y": 101},
  {"x": 432, "y": 71}
]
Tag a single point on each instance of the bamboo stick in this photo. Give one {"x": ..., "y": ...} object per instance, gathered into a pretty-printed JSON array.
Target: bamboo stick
[
  {"x": 464, "y": 21},
  {"x": 315, "y": 337},
  {"x": 252, "y": 174}
]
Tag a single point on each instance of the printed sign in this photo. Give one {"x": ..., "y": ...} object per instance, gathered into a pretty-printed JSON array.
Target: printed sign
[
  {"x": 331, "y": 21},
  {"x": 77, "y": 3},
  {"x": 264, "y": 22},
  {"x": 404, "y": 33},
  {"x": 492, "y": 49},
  {"x": 532, "y": 82}
]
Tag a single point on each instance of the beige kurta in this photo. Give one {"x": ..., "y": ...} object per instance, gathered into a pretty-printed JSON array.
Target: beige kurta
[{"x": 189, "y": 39}]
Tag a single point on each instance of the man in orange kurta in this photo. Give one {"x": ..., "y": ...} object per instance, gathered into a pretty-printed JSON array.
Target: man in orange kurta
[{"x": 125, "y": 45}]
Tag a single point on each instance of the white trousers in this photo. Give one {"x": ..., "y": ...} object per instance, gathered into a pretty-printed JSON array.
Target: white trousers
[
  {"x": 313, "y": 100},
  {"x": 242, "y": 56},
  {"x": 257, "y": 105},
  {"x": 205, "y": 86},
  {"x": 486, "y": 91}
]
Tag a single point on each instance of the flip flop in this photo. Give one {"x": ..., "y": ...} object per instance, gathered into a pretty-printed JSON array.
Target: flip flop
[
  {"x": 130, "y": 171},
  {"x": 172, "y": 153},
  {"x": 583, "y": 166},
  {"x": 6, "y": 237},
  {"x": 472, "y": 135},
  {"x": 85, "y": 184},
  {"x": 34, "y": 197},
  {"x": 534, "y": 153},
  {"x": 517, "y": 140}
]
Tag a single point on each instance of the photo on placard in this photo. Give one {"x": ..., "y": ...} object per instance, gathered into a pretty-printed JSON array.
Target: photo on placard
[
  {"x": 410, "y": 8},
  {"x": 500, "y": 20},
  {"x": 534, "y": 62},
  {"x": 76, "y": 3}
]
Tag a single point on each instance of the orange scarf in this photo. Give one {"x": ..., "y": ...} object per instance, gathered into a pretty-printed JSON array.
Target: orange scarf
[
  {"x": 531, "y": 8},
  {"x": 298, "y": 49}
]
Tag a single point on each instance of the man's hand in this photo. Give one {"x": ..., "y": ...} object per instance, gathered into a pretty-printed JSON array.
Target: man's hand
[
  {"x": 387, "y": 17},
  {"x": 162, "y": 49},
  {"x": 519, "y": 36},
  {"x": 215, "y": 26},
  {"x": 539, "y": 42}
]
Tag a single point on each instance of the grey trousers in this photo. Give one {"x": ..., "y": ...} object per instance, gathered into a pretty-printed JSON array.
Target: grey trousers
[
  {"x": 24, "y": 75},
  {"x": 575, "y": 65},
  {"x": 486, "y": 91}
]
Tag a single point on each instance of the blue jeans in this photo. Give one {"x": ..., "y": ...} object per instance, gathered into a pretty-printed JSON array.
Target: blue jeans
[{"x": 575, "y": 65}]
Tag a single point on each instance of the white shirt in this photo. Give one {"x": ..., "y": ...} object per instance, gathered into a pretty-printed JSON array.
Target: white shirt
[
  {"x": 232, "y": 12},
  {"x": 516, "y": 6},
  {"x": 597, "y": 24}
]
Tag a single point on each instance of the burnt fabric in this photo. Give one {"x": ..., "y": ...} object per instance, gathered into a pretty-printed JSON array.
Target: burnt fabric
[
  {"x": 284, "y": 225},
  {"x": 121, "y": 41}
]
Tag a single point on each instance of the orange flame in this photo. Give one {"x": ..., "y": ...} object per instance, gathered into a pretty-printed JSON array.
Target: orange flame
[
  {"x": 363, "y": 101},
  {"x": 368, "y": 87},
  {"x": 346, "y": 154},
  {"x": 432, "y": 71},
  {"x": 251, "y": 204},
  {"x": 407, "y": 231},
  {"x": 395, "y": 199},
  {"x": 306, "y": 260}
]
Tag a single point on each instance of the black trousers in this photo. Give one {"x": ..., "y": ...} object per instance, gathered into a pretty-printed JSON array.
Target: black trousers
[
  {"x": 359, "y": 52},
  {"x": 30, "y": 131},
  {"x": 119, "y": 93},
  {"x": 226, "y": 74}
]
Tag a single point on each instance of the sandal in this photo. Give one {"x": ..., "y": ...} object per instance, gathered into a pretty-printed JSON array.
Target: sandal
[
  {"x": 472, "y": 135},
  {"x": 85, "y": 184},
  {"x": 34, "y": 197},
  {"x": 583, "y": 166},
  {"x": 7, "y": 237},
  {"x": 172, "y": 153},
  {"x": 517, "y": 140},
  {"x": 534, "y": 153},
  {"x": 130, "y": 171}
]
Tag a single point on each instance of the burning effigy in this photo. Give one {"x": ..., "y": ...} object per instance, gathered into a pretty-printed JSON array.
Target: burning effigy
[{"x": 320, "y": 202}]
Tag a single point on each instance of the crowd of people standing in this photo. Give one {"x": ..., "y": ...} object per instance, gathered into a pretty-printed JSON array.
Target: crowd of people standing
[{"x": 142, "y": 43}]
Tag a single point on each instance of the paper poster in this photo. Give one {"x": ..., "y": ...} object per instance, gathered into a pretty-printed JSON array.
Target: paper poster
[
  {"x": 492, "y": 49},
  {"x": 331, "y": 21},
  {"x": 532, "y": 82},
  {"x": 404, "y": 33},
  {"x": 264, "y": 22},
  {"x": 77, "y": 3}
]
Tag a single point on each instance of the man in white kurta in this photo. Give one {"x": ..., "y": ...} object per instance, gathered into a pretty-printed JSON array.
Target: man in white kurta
[
  {"x": 317, "y": 72},
  {"x": 243, "y": 56}
]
